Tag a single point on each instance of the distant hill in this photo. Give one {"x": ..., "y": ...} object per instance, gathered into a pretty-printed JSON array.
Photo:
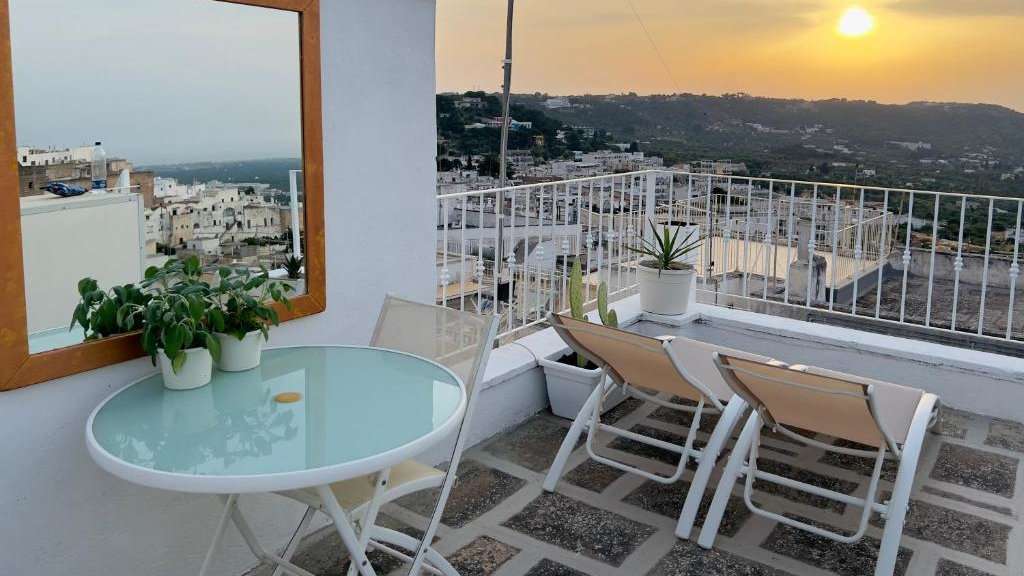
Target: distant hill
[
  {"x": 966, "y": 146},
  {"x": 272, "y": 171},
  {"x": 949, "y": 127}
]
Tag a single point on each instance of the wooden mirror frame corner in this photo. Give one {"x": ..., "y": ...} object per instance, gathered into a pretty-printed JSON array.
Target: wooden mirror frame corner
[{"x": 19, "y": 368}]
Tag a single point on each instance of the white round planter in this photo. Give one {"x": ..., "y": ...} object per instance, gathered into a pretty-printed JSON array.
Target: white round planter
[
  {"x": 195, "y": 372},
  {"x": 569, "y": 387},
  {"x": 238, "y": 355},
  {"x": 665, "y": 292}
]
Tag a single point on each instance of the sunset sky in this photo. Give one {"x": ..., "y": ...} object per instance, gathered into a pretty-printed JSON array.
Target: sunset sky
[{"x": 939, "y": 50}]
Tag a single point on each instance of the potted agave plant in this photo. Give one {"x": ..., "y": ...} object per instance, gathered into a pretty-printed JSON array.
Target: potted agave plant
[
  {"x": 666, "y": 282},
  {"x": 293, "y": 267},
  {"x": 242, "y": 314},
  {"x": 571, "y": 378},
  {"x": 175, "y": 330}
]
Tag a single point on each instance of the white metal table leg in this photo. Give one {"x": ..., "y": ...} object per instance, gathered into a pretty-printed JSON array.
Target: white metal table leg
[
  {"x": 254, "y": 545},
  {"x": 221, "y": 527},
  {"x": 296, "y": 539},
  {"x": 709, "y": 455},
  {"x": 380, "y": 484},
  {"x": 569, "y": 443},
  {"x": 356, "y": 553}
]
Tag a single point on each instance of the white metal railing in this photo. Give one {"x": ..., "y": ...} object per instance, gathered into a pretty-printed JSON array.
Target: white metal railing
[{"x": 938, "y": 260}]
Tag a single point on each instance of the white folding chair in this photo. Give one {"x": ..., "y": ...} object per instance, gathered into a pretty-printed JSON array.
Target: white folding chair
[
  {"x": 460, "y": 341},
  {"x": 889, "y": 419},
  {"x": 644, "y": 367}
]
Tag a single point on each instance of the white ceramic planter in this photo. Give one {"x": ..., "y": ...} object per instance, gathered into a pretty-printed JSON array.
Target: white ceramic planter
[
  {"x": 238, "y": 355},
  {"x": 570, "y": 386},
  {"x": 665, "y": 292},
  {"x": 195, "y": 372}
]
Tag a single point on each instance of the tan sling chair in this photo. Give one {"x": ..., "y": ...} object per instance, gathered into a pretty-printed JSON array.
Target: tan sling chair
[
  {"x": 890, "y": 420},
  {"x": 644, "y": 367}
]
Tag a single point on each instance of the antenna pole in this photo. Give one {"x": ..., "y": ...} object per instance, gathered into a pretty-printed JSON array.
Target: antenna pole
[{"x": 506, "y": 91}]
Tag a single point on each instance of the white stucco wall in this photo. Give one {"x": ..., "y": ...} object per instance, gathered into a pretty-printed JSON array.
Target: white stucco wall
[{"x": 59, "y": 513}]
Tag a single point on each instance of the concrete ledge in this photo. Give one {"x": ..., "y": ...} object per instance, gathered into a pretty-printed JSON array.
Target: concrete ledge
[{"x": 982, "y": 382}]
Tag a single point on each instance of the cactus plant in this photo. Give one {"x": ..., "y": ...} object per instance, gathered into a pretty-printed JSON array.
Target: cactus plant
[
  {"x": 608, "y": 317},
  {"x": 576, "y": 302},
  {"x": 576, "y": 292}
]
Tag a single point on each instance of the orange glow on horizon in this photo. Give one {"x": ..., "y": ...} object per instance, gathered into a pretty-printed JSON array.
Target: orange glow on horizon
[{"x": 767, "y": 48}]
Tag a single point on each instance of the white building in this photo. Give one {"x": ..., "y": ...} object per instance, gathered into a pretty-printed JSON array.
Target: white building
[
  {"x": 28, "y": 156},
  {"x": 170, "y": 187},
  {"x": 495, "y": 122},
  {"x": 470, "y": 102},
  {"x": 61, "y": 240},
  {"x": 557, "y": 103}
]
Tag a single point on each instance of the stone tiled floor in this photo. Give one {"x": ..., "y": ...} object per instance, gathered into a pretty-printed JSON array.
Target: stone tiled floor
[{"x": 965, "y": 516}]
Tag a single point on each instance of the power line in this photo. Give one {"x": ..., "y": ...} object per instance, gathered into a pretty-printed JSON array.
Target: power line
[{"x": 657, "y": 52}]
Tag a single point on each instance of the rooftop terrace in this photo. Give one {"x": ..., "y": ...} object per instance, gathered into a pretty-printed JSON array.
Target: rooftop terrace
[{"x": 964, "y": 520}]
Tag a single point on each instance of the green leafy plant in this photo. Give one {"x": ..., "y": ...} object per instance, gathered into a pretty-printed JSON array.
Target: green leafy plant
[
  {"x": 96, "y": 311},
  {"x": 293, "y": 266},
  {"x": 665, "y": 248},
  {"x": 176, "y": 275},
  {"x": 173, "y": 321},
  {"x": 241, "y": 302},
  {"x": 174, "y": 315}
]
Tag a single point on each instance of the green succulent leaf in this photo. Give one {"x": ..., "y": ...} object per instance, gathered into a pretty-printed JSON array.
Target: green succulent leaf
[
  {"x": 86, "y": 285},
  {"x": 216, "y": 319},
  {"x": 174, "y": 337},
  {"x": 213, "y": 345},
  {"x": 177, "y": 361}
]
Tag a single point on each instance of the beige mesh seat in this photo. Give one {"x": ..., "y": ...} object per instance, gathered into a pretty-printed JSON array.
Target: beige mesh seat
[
  {"x": 646, "y": 368},
  {"x": 460, "y": 341},
  {"x": 887, "y": 419}
]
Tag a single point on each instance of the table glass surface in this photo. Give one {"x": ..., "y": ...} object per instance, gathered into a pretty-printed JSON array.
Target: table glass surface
[{"x": 355, "y": 403}]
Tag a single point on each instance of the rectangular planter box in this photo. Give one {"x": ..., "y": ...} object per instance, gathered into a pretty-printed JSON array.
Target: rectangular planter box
[{"x": 570, "y": 386}]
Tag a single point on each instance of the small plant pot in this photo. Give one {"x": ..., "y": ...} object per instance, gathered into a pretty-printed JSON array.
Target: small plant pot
[
  {"x": 665, "y": 292},
  {"x": 569, "y": 386},
  {"x": 238, "y": 355},
  {"x": 194, "y": 373}
]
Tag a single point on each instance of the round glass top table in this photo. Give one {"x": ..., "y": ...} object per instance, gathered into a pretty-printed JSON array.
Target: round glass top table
[{"x": 360, "y": 410}]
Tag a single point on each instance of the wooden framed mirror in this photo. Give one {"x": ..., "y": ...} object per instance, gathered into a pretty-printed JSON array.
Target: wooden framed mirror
[{"x": 209, "y": 115}]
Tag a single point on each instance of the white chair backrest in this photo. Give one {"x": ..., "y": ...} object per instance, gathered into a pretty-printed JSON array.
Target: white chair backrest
[
  {"x": 696, "y": 361},
  {"x": 457, "y": 340}
]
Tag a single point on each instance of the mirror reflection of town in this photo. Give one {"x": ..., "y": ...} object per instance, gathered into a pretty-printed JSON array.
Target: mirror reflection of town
[{"x": 85, "y": 213}]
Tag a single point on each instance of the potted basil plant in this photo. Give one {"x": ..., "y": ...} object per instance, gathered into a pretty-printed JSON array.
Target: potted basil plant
[
  {"x": 174, "y": 320},
  {"x": 175, "y": 334},
  {"x": 666, "y": 281},
  {"x": 241, "y": 315}
]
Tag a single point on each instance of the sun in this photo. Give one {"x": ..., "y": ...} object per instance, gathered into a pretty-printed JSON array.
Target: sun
[{"x": 855, "y": 22}]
